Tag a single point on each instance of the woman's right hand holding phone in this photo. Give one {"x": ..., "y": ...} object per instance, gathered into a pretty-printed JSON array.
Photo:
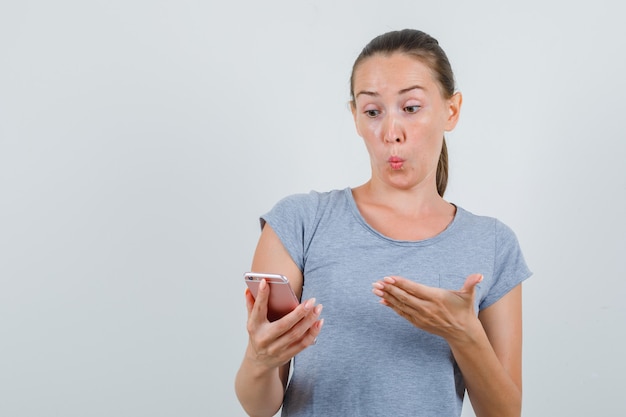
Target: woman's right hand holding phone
[
  {"x": 262, "y": 378},
  {"x": 273, "y": 344}
]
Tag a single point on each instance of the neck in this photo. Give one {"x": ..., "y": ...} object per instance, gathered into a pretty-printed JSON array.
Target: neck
[
  {"x": 403, "y": 214},
  {"x": 418, "y": 200}
]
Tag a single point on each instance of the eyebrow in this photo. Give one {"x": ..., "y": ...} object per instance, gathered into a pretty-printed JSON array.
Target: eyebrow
[{"x": 404, "y": 90}]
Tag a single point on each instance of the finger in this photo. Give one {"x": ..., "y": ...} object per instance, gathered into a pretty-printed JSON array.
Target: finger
[
  {"x": 315, "y": 331},
  {"x": 469, "y": 286},
  {"x": 307, "y": 340},
  {"x": 389, "y": 294},
  {"x": 398, "y": 290},
  {"x": 300, "y": 336},
  {"x": 400, "y": 301},
  {"x": 309, "y": 337},
  {"x": 414, "y": 288},
  {"x": 295, "y": 324},
  {"x": 409, "y": 299}
]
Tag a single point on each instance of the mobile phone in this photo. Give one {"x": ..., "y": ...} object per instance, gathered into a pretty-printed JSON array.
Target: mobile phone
[{"x": 282, "y": 298}]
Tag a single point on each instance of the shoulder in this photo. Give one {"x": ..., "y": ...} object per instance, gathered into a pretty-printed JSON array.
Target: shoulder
[
  {"x": 497, "y": 242},
  {"x": 485, "y": 224},
  {"x": 304, "y": 208},
  {"x": 492, "y": 236},
  {"x": 313, "y": 196},
  {"x": 307, "y": 203},
  {"x": 295, "y": 219}
]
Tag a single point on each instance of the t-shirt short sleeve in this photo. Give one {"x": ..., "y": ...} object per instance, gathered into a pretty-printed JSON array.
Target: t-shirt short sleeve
[
  {"x": 293, "y": 219},
  {"x": 510, "y": 268}
]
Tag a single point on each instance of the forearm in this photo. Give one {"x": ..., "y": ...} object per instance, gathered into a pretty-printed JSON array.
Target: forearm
[
  {"x": 492, "y": 390},
  {"x": 260, "y": 391}
]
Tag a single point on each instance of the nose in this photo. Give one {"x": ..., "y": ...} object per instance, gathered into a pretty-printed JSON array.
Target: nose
[{"x": 393, "y": 130}]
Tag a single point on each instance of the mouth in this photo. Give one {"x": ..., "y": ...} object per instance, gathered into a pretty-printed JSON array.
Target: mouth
[{"x": 395, "y": 162}]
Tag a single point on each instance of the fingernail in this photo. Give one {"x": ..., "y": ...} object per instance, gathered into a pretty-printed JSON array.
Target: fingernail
[
  {"x": 378, "y": 285},
  {"x": 318, "y": 309},
  {"x": 377, "y": 292},
  {"x": 389, "y": 280},
  {"x": 309, "y": 304}
]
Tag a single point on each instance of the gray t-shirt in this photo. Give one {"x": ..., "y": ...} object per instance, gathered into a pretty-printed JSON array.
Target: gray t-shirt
[{"x": 368, "y": 361}]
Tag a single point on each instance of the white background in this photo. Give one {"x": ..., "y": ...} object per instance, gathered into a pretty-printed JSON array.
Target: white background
[{"x": 141, "y": 140}]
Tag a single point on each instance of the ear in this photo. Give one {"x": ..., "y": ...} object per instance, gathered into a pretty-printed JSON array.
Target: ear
[{"x": 454, "y": 108}]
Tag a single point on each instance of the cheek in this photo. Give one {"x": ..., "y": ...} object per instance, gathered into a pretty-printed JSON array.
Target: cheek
[
  {"x": 368, "y": 129},
  {"x": 428, "y": 133},
  {"x": 376, "y": 132},
  {"x": 427, "y": 143}
]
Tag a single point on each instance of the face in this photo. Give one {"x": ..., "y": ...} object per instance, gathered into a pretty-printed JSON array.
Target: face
[{"x": 401, "y": 114}]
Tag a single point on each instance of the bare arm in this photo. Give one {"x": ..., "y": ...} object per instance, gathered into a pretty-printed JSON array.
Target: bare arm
[
  {"x": 261, "y": 380},
  {"x": 487, "y": 349},
  {"x": 491, "y": 358}
]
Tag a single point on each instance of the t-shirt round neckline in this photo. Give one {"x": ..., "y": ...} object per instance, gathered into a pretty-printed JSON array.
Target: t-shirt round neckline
[{"x": 429, "y": 241}]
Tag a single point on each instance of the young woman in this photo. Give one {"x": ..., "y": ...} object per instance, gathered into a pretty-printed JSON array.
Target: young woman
[{"x": 449, "y": 281}]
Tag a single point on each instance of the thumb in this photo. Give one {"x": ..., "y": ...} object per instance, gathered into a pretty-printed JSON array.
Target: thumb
[
  {"x": 470, "y": 283},
  {"x": 249, "y": 300},
  {"x": 259, "y": 308}
]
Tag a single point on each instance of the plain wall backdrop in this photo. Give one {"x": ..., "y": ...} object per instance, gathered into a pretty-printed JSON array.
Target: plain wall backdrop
[{"x": 141, "y": 140}]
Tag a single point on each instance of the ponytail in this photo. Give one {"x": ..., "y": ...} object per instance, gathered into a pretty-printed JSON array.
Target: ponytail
[{"x": 442, "y": 170}]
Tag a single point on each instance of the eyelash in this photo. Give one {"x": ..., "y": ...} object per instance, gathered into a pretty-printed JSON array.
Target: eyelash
[{"x": 374, "y": 113}]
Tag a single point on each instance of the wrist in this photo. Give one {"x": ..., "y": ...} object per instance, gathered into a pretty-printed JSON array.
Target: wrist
[
  {"x": 471, "y": 332},
  {"x": 256, "y": 367}
]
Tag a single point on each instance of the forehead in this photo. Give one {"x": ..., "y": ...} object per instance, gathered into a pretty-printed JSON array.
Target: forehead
[{"x": 396, "y": 70}]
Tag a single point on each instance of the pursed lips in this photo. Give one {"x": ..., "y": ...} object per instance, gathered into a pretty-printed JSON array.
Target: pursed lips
[{"x": 395, "y": 162}]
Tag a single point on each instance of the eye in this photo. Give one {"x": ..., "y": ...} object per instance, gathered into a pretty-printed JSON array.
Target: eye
[
  {"x": 411, "y": 109},
  {"x": 372, "y": 113}
]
